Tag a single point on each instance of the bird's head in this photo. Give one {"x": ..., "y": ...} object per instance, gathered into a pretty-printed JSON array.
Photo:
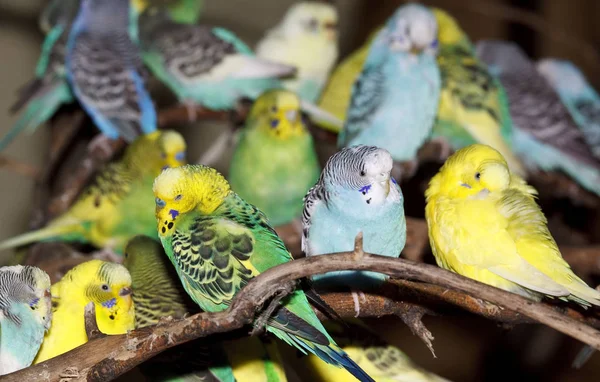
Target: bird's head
[
  {"x": 182, "y": 189},
  {"x": 277, "y": 113},
  {"x": 41, "y": 302},
  {"x": 172, "y": 148},
  {"x": 29, "y": 288},
  {"x": 471, "y": 172},
  {"x": 108, "y": 286},
  {"x": 365, "y": 170},
  {"x": 311, "y": 19},
  {"x": 156, "y": 151},
  {"x": 412, "y": 29}
]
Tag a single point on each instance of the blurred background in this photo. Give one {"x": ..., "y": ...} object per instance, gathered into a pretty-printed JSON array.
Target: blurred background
[{"x": 468, "y": 348}]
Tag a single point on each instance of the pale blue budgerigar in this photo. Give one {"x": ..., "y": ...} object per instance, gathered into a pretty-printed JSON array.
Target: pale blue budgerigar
[
  {"x": 106, "y": 71},
  {"x": 545, "y": 135},
  {"x": 395, "y": 98},
  {"x": 355, "y": 193},
  {"x": 25, "y": 315},
  {"x": 306, "y": 38},
  {"x": 48, "y": 90},
  {"x": 578, "y": 95}
]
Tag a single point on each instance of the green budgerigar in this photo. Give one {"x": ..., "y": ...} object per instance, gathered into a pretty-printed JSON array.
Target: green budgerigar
[
  {"x": 25, "y": 315},
  {"x": 275, "y": 162},
  {"x": 218, "y": 242},
  {"x": 115, "y": 206},
  {"x": 473, "y": 106},
  {"x": 158, "y": 293}
]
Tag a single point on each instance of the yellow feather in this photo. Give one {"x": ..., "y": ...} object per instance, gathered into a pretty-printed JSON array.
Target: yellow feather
[
  {"x": 336, "y": 96},
  {"x": 83, "y": 284},
  {"x": 253, "y": 360},
  {"x": 484, "y": 223}
]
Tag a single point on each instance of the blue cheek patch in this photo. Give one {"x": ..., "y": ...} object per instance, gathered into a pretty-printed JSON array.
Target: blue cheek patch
[
  {"x": 34, "y": 301},
  {"x": 274, "y": 123},
  {"x": 174, "y": 213},
  {"x": 393, "y": 180},
  {"x": 110, "y": 303},
  {"x": 365, "y": 189}
]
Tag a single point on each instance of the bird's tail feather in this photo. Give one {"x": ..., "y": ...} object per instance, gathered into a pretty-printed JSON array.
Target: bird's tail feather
[
  {"x": 321, "y": 115},
  {"x": 331, "y": 353},
  {"x": 38, "y": 111},
  {"x": 26, "y": 92},
  {"x": 67, "y": 232}
]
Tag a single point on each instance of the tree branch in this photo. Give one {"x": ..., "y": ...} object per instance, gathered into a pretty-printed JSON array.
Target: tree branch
[{"x": 106, "y": 358}]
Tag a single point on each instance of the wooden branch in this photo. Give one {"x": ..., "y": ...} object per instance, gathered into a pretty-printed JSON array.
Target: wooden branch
[
  {"x": 13, "y": 165},
  {"x": 106, "y": 358}
]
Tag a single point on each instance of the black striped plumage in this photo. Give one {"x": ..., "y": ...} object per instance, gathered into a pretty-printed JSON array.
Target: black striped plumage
[{"x": 17, "y": 285}]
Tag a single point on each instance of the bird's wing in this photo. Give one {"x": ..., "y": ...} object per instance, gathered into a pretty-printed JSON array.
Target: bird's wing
[
  {"x": 316, "y": 196},
  {"x": 474, "y": 237}
]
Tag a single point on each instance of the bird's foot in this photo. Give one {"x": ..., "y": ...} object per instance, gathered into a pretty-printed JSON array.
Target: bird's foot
[
  {"x": 107, "y": 254},
  {"x": 355, "y": 298},
  {"x": 102, "y": 144},
  {"x": 274, "y": 305},
  {"x": 488, "y": 307}
]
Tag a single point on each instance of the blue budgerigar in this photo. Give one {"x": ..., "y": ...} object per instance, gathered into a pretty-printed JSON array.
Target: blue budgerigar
[
  {"x": 355, "y": 193},
  {"x": 545, "y": 135},
  {"x": 48, "y": 90},
  {"x": 577, "y": 95},
  {"x": 106, "y": 72},
  {"x": 395, "y": 98},
  {"x": 25, "y": 315}
]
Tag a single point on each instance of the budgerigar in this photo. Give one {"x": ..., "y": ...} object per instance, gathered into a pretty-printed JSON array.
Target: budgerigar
[
  {"x": 383, "y": 361},
  {"x": 275, "y": 163},
  {"x": 355, "y": 193},
  {"x": 473, "y": 106},
  {"x": 157, "y": 292},
  {"x": 306, "y": 38},
  {"x": 25, "y": 315},
  {"x": 118, "y": 205},
  {"x": 108, "y": 286},
  {"x": 335, "y": 98},
  {"x": 545, "y": 135},
  {"x": 106, "y": 72},
  {"x": 57, "y": 12},
  {"x": 181, "y": 11},
  {"x": 395, "y": 99},
  {"x": 218, "y": 242},
  {"x": 485, "y": 224},
  {"x": 48, "y": 90},
  {"x": 577, "y": 95}
]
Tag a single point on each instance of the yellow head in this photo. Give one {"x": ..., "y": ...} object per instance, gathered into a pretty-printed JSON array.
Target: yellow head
[
  {"x": 156, "y": 151},
  {"x": 277, "y": 113},
  {"x": 310, "y": 18},
  {"x": 473, "y": 171},
  {"x": 449, "y": 32},
  {"x": 108, "y": 286},
  {"x": 186, "y": 188}
]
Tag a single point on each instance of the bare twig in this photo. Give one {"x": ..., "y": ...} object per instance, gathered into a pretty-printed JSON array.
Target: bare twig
[
  {"x": 17, "y": 167},
  {"x": 114, "y": 355}
]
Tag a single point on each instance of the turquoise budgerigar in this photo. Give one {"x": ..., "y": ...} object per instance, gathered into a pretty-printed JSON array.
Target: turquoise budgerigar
[
  {"x": 275, "y": 163},
  {"x": 306, "y": 38},
  {"x": 395, "y": 99},
  {"x": 355, "y": 193},
  {"x": 25, "y": 315},
  {"x": 218, "y": 242},
  {"x": 106, "y": 71},
  {"x": 545, "y": 135},
  {"x": 48, "y": 90},
  {"x": 577, "y": 95}
]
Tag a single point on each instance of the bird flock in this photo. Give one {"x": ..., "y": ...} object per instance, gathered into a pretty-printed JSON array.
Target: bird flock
[{"x": 180, "y": 238}]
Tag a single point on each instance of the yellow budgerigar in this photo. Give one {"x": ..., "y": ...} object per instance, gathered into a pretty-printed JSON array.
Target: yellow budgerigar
[
  {"x": 119, "y": 203},
  {"x": 108, "y": 286},
  {"x": 484, "y": 223},
  {"x": 336, "y": 96}
]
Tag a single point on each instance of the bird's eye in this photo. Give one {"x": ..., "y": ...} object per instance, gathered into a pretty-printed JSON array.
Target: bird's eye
[
  {"x": 163, "y": 155},
  {"x": 104, "y": 287},
  {"x": 313, "y": 24},
  {"x": 126, "y": 255},
  {"x": 274, "y": 109},
  {"x": 363, "y": 173},
  {"x": 178, "y": 197},
  {"x": 477, "y": 175}
]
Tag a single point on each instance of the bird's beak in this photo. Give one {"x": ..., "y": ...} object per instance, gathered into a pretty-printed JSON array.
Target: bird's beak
[
  {"x": 331, "y": 30},
  {"x": 415, "y": 50},
  {"x": 125, "y": 292},
  {"x": 384, "y": 180}
]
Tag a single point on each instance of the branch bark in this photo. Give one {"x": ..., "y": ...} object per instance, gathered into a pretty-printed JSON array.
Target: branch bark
[{"x": 106, "y": 358}]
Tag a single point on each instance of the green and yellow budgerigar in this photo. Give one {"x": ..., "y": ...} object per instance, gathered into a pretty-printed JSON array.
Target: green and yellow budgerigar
[
  {"x": 108, "y": 286},
  {"x": 181, "y": 11},
  {"x": 485, "y": 224},
  {"x": 473, "y": 107},
  {"x": 335, "y": 98},
  {"x": 118, "y": 205},
  {"x": 218, "y": 242},
  {"x": 275, "y": 163},
  {"x": 157, "y": 293},
  {"x": 384, "y": 362}
]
